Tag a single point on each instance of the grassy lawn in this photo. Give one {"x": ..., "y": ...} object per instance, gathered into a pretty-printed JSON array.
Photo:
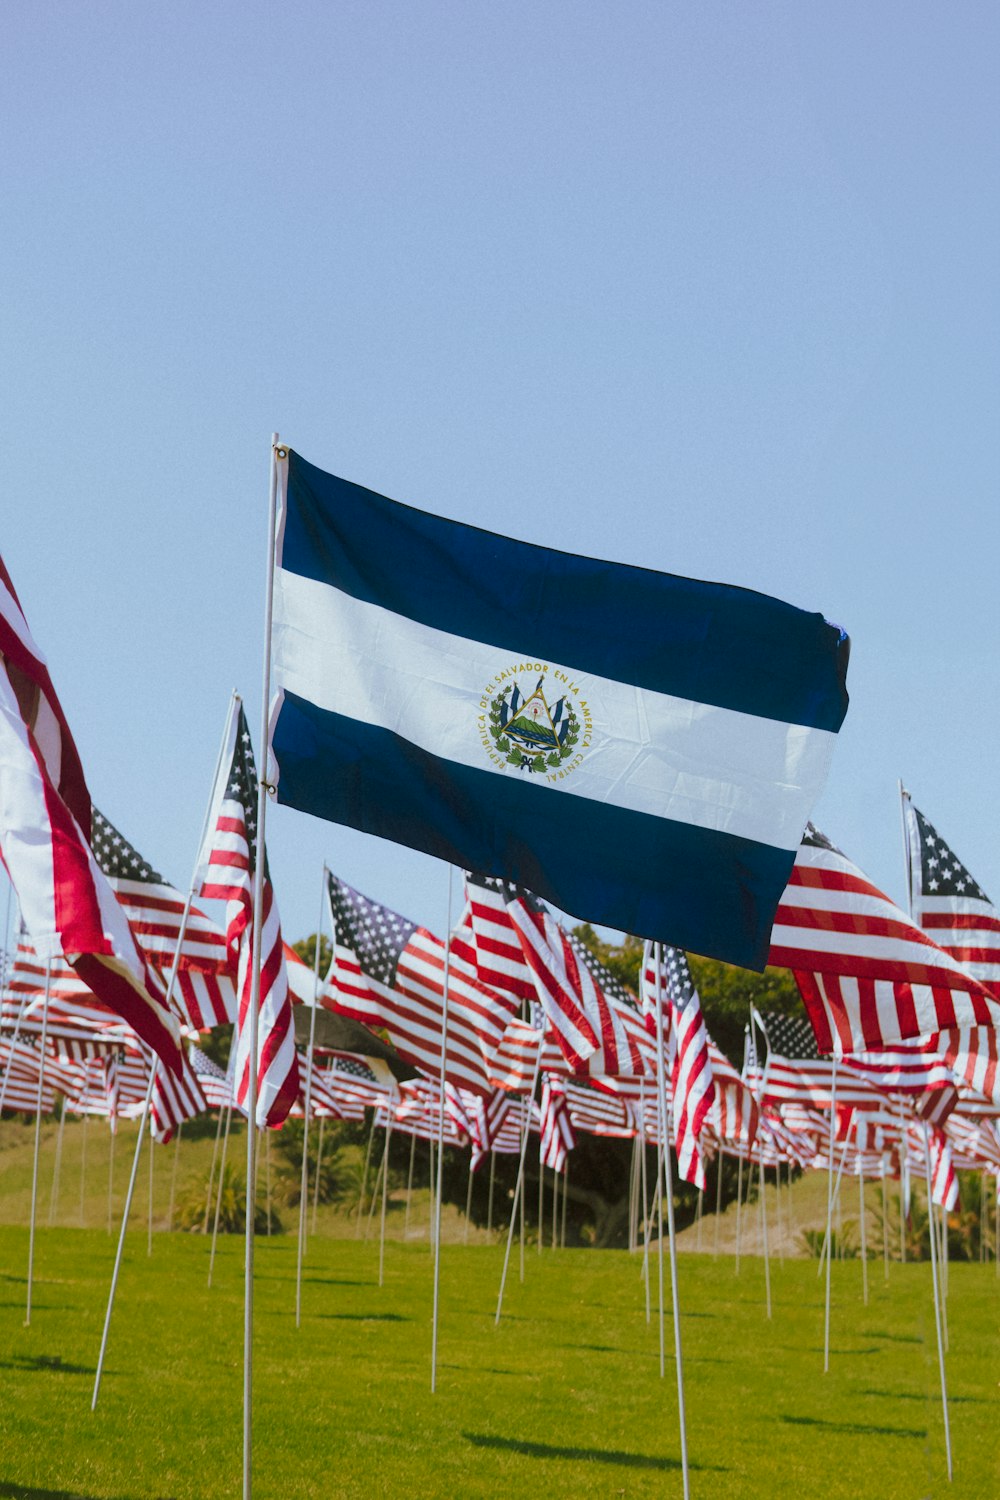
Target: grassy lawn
[{"x": 564, "y": 1399}]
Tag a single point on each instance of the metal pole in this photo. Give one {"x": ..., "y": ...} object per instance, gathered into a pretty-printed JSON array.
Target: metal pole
[
  {"x": 409, "y": 1185},
  {"x": 678, "y": 1358},
  {"x": 304, "y": 1183},
  {"x": 829, "y": 1216},
  {"x": 468, "y": 1204},
  {"x": 364, "y": 1179},
  {"x": 83, "y": 1171},
  {"x": 211, "y": 1174},
  {"x": 385, "y": 1192},
  {"x": 564, "y": 1195},
  {"x": 885, "y": 1224},
  {"x": 518, "y": 1186},
  {"x": 149, "y": 1215},
  {"x": 173, "y": 1175},
  {"x": 319, "y": 1171},
  {"x": 440, "y": 1160},
  {"x": 763, "y": 1225},
  {"x": 258, "y": 933},
  {"x": 739, "y": 1199},
  {"x": 38, "y": 1137},
  {"x": 489, "y": 1208},
  {"x": 121, "y": 1239},
  {"x": 864, "y": 1239},
  {"x": 937, "y": 1302},
  {"x": 718, "y": 1203},
  {"x": 56, "y": 1171},
  {"x": 218, "y": 1192}
]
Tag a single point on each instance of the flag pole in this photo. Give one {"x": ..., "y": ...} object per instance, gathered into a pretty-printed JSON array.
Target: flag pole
[
  {"x": 218, "y": 1189},
  {"x": 937, "y": 1298},
  {"x": 263, "y": 787},
  {"x": 38, "y": 1137},
  {"x": 440, "y": 1155},
  {"x": 519, "y": 1184},
  {"x": 182, "y": 929},
  {"x": 829, "y": 1215},
  {"x": 385, "y": 1195},
  {"x": 763, "y": 1181},
  {"x": 304, "y": 1184},
  {"x": 669, "y": 1189}
]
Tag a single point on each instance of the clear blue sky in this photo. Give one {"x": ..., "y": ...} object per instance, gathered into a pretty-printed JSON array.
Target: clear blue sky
[{"x": 712, "y": 288}]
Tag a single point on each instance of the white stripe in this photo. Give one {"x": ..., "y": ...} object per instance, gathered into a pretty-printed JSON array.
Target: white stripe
[{"x": 648, "y": 752}]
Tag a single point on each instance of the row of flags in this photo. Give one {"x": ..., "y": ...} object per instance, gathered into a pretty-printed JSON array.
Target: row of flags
[{"x": 662, "y": 789}]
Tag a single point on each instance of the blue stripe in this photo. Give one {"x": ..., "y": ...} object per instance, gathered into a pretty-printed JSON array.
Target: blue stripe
[
  {"x": 706, "y": 642},
  {"x": 697, "y": 889}
]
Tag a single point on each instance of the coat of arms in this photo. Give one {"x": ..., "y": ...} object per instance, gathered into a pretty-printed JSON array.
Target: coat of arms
[{"x": 532, "y": 734}]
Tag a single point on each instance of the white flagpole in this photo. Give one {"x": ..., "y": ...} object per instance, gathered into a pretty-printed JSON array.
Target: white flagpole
[
  {"x": 149, "y": 1206},
  {"x": 319, "y": 1169},
  {"x": 829, "y": 1214},
  {"x": 364, "y": 1178},
  {"x": 263, "y": 787},
  {"x": 718, "y": 1202},
  {"x": 83, "y": 1171},
  {"x": 218, "y": 1189},
  {"x": 885, "y": 1223},
  {"x": 739, "y": 1194},
  {"x": 385, "y": 1194},
  {"x": 409, "y": 1186},
  {"x": 864, "y": 1239},
  {"x": 173, "y": 1175},
  {"x": 182, "y": 929},
  {"x": 304, "y": 1184},
  {"x": 121, "y": 1238},
  {"x": 468, "y": 1204},
  {"x": 519, "y": 1184},
  {"x": 762, "y": 1179},
  {"x": 211, "y": 1173},
  {"x": 937, "y": 1299},
  {"x": 57, "y": 1169},
  {"x": 38, "y": 1137},
  {"x": 440, "y": 1157},
  {"x": 669, "y": 1189},
  {"x": 489, "y": 1206}
]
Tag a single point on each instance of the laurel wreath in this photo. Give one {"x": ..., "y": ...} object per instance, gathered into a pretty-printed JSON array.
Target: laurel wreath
[{"x": 535, "y": 765}]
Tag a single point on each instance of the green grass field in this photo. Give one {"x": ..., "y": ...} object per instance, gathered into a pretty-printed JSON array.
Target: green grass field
[{"x": 564, "y": 1398}]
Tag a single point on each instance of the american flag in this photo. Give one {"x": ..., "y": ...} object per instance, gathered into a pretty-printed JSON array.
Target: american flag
[
  {"x": 19, "y": 1067},
  {"x": 497, "y": 948},
  {"x": 949, "y": 904},
  {"x": 597, "y": 1112},
  {"x": 203, "y": 988},
  {"x": 557, "y": 1137},
  {"x": 174, "y": 1101},
  {"x": 944, "y": 1178},
  {"x": 863, "y": 1079},
  {"x": 691, "y": 1074},
  {"x": 77, "y": 1024},
  {"x": 868, "y": 975},
  {"x": 598, "y": 1031},
  {"x": 226, "y": 866},
  {"x": 734, "y": 1116},
  {"x": 417, "y": 1111},
  {"x": 215, "y": 1083},
  {"x": 66, "y": 904},
  {"x": 389, "y": 973},
  {"x": 356, "y": 1082}
]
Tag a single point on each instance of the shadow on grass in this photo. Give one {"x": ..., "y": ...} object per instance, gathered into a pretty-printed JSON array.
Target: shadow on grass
[
  {"x": 364, "y": 1317},
  {"x": 896, "y": 1338},
  {"x": 862, "y": 1429},
  {"x": 586, "y": 1455},
  {"x": 922, "y": 1396},
  {"x": 47, "y": 1362},
  {"x": 11, "y": 1491}
]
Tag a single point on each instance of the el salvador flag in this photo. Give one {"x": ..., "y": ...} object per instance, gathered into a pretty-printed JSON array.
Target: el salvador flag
[{"x": 418, "y": 666}]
